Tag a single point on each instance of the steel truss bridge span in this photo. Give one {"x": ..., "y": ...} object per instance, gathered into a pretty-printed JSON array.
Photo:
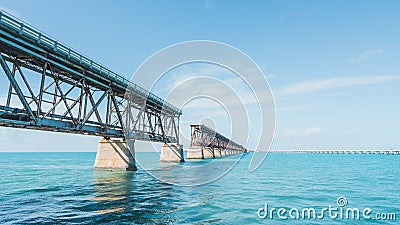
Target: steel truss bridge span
[
  {"x": 205, "y": 137},
  {"x": 50, "y": 86}
]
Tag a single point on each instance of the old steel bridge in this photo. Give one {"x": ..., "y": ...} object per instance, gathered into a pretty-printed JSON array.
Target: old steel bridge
[{"x": 53, "y": 87}]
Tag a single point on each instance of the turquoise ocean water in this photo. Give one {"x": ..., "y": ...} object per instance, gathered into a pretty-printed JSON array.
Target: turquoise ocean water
[{"x": 62, "y": 188}]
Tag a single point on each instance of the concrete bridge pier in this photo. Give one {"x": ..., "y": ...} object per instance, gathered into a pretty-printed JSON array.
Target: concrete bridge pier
[
  {"x": 217, "y": 152},
  {"x": 115, "y": 154},
  {"x": 172, "y": 152},
  {"x": 208, "y": 153},
  {"x": 195, "y": 152}
]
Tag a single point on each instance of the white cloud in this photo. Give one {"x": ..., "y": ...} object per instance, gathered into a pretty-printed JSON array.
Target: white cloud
[
  {"x": 298, "y": 107},
  {"x": 209, "y": 4},
  {"x": 312, "y": 131},
  {"x": 206, "y": 79},
  {"x": 277, "y": 48},
  {"x": 289, "y": 133},
  {"x": 271, "y": 76},
  {"x": 365, "y": 56},
  {"x": 332, "y": 83},
  {"x": 336, "y": 94}
]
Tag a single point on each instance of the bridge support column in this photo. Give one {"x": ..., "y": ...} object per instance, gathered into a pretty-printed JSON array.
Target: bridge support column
[
  {"x": 217, "y": 152},
  {"x": 172, "y": 153},
  {"x": 195, "y": 152},
  {"x": 208, "y": 152},
  {"x": 115, "y": 155}
]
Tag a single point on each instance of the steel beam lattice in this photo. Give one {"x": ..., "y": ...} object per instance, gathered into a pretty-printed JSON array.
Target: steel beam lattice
[
  {"x": 49, "y": 86},
  {"x": 203, "y": 136}
]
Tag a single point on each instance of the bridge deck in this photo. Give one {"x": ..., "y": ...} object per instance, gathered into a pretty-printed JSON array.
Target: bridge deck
[{"x": 22, "y": 40}]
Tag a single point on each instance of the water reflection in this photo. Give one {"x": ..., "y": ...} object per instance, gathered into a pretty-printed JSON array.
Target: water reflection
[
  {"x": 132, "y": 196},
  {"x": 112, "y": 190}
]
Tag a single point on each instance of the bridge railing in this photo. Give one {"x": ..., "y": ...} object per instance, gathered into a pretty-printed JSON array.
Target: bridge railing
[{"x": 31, "y": 34}]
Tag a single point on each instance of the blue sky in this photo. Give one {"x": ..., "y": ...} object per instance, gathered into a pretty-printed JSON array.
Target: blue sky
[{"x": 332, "y": 65}]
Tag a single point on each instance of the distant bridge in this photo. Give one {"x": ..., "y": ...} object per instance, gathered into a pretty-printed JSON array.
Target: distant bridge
[
  {"x": 207, "y": 143},
  {"x": 53, "y": 87},
  {"x": 383, "y": 152}
]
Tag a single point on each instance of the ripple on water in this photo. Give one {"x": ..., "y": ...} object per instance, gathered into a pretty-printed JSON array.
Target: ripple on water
[{"x": 71, "y": 192}]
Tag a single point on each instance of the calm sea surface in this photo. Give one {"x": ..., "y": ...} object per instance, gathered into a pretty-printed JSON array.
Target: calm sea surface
[{"x": 62, "y": 188}]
